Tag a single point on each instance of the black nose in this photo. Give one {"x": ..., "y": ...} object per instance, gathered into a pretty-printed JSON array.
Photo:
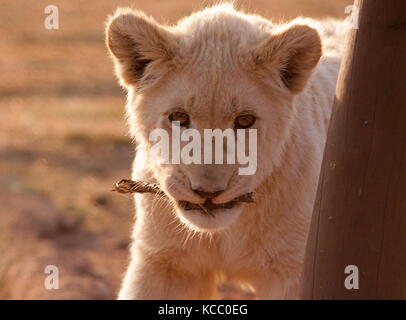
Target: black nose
[{"x": 206, "y": 194}]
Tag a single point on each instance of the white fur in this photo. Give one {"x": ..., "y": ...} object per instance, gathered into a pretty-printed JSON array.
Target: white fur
[{"x": 204, "y": 62}]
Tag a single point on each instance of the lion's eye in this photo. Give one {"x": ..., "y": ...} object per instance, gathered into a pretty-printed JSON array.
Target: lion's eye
[
  {"x": 244, "y": 121},
  {"x": 182, "y": 117}
]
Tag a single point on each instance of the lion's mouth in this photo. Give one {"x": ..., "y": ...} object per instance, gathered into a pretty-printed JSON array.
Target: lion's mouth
[{"x": 209, "y": 206}]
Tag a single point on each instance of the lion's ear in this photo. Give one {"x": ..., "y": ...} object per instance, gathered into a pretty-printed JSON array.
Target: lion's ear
[
  {"x": 136, "y": 41},
  {"x": 293, "y": 50}
]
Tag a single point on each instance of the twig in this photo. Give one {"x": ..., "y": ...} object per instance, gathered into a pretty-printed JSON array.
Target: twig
[{"x": 131, "y": 186}]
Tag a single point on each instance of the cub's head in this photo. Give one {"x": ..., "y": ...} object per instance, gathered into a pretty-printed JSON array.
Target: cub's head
[{"x": 217, "y": 69}]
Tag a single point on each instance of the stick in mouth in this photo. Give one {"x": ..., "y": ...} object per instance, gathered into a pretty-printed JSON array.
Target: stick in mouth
[{"x": 131, "y": 186}]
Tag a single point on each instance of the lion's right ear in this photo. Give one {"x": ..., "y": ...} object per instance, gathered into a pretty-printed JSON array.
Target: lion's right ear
[{"x": 136, "y": 41}]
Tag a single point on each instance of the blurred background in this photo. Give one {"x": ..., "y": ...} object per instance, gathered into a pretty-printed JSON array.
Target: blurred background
[{"x": 64, "y": 142}]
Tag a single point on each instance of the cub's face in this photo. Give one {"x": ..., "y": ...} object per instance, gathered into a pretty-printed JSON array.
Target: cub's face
[
  {"x": 236, "y": 103},
  {"x": 182, "y": 89}
]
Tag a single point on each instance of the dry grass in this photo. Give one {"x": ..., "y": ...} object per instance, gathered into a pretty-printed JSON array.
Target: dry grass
[{"x": 63, "y": 141}]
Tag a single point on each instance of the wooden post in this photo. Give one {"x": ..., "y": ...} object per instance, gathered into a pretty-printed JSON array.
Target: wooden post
[{"x": 359, "y": 217}]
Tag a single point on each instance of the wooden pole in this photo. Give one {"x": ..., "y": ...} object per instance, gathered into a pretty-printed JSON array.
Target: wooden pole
[{"x": 359, "y": 217}]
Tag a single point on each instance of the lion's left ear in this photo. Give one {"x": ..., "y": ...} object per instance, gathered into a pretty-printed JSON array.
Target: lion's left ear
[{"x": 293, "y": 50}]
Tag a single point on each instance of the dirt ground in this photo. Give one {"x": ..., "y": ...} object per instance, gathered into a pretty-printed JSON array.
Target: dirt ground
[{"x": 64, "y": 141}]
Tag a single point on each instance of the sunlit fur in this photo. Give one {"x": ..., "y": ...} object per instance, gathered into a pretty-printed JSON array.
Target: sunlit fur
[{"x": 215, "y": 64}]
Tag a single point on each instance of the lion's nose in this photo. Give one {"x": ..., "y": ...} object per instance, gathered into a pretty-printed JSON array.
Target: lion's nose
[{"x": 207, "y": 194}]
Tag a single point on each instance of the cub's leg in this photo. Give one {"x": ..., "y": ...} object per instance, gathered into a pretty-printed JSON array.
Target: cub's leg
[
  {"x": 154, "y": 276},
  {"x": 271, "y": 285}
]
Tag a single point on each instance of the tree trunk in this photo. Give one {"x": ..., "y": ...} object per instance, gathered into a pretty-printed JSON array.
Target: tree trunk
[{"x": 359, "y": 216}]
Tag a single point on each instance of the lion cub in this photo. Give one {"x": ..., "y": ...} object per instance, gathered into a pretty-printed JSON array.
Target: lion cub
[{"x": 223, "y": 69}]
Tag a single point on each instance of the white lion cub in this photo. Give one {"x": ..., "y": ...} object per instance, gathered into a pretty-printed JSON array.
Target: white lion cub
[{"x": 220, "y": 68}]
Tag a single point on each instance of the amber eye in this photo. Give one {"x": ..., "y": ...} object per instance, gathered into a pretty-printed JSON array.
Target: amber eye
[
  {"x": 180, "y": 116},
  {"x": 244, "y": 121}
]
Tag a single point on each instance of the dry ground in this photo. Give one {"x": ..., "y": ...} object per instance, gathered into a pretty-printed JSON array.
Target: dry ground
[{"x": 63, "y": 142}]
